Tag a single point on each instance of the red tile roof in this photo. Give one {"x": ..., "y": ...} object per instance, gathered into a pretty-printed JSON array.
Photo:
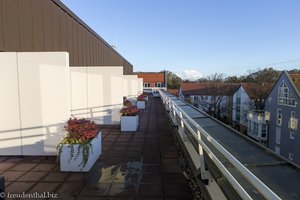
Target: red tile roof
[
  {"x": 154, "y": 77},
  {"x": 227, "y": 89}
]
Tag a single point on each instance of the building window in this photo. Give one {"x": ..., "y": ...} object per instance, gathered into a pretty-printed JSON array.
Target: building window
[
  {"x": 291, "y": 156},
  {"x": 158, "y": 84},
  {"x": 278, "y": 135},
  {"x": 285, "y": 97},
  {"x": 146, "y": 85},
  {"x": 279, "y": 117},
  {"x": 255, "y": 128},
  {"x": 292, "y": 135},
  {"x": 263, "y": 130},
  {"x": 238, "y": 101},
  {"x": 293, "y": 115},
  {"x": 277, "y": 150}
]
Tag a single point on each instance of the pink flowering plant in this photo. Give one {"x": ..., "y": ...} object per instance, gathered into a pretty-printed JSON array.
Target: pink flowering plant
[
  {"x": 80, "y": 132},
  {"x": 129, "y": 111}
]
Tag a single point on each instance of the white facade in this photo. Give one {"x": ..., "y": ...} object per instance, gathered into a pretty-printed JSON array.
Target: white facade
[
  {"x": 241, "y": 106},
  {"x": 34, "y": 103},
  {"x": 140, "y": 85},
  {"x": 96, "y": 93},
  {"x": 39, "y": 92},
  {"x": 131, "y": 86},
  {"x": 258, "y": 125}
]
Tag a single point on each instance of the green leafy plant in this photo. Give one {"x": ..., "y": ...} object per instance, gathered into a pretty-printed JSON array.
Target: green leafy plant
[
  {"x": 129, "y": 111},
  {"x": 80, "y": 132}
]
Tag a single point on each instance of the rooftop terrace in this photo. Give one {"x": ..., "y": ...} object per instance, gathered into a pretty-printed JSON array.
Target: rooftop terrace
[{"x": 138, "y": 165}]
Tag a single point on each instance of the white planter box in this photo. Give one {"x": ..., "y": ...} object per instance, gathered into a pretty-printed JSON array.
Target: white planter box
[
  {"x": 133, "y": 102},
  {"x": 129, "y": 123},
  {"x": 73, "y": 165},
  {"x": 141, "y": 104}
]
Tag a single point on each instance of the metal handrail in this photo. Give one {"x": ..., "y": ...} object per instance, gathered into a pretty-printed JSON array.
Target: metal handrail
[{"x": 257, "y": 183}]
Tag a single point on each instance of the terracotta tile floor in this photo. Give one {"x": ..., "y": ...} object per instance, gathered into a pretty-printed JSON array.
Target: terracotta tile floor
[{"x": 133, "y": 165}]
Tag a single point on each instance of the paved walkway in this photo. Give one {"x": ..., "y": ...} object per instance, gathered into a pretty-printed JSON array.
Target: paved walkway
[{"x": 139, "y": 165}]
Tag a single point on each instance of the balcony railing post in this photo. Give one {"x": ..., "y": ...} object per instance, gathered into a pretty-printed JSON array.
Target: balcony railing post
[
  {"x": 181, "y": 119},
  {"x": 202, "y": 163}
]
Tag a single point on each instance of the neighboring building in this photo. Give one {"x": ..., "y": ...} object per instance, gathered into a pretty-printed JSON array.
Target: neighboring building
[
  {"x": 153, "y": 81},
  {"x": 283, "y": 106},
  {"x": 48, "y": 25},
  {"x": 241, "y": 107},
  {"x": 209, "y": 97}
]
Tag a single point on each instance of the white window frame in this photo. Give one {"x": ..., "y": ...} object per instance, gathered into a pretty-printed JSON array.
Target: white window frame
[
  {"x": 264, "y": 129},
  {"x": 158, "y": 84},
  {"x": 291, "y": 156},
  {"x": 277, "y": 149},
  {"x": 146, "y": 85},
  {"x": 292, "y": 135},
  {"x": 293, "y": 114},
  {"x": 285, "y": 97},
  {"x": 279, "y": 117},
  {"x": 278, "y": 135}
]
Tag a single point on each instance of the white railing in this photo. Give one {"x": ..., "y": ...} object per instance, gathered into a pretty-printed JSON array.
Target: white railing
[{"x": 176, "y": 111}]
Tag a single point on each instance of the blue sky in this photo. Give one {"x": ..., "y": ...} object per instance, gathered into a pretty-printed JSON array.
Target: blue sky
[{"x": 198, "y": 36}]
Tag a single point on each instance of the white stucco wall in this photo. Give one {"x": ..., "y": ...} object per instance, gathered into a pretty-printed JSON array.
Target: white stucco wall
[
  {"x": 35, "y": 87},
  {"x": 244, "y": 107},
  {"x": 130, "y": 86},
  {"x": 96, "y": 93},
  {"x": 140, "y": 85}
]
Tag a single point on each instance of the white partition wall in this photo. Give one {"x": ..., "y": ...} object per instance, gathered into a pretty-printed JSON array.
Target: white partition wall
[
  {"x": 140, "y": 85},
  {"x": 10, "y": 124},
  {"x": 37, "y": 85},
  {"x": 130, "y": 86},
  {"x": 78, "y": 86},
  {"x": 96, "y": 93}
]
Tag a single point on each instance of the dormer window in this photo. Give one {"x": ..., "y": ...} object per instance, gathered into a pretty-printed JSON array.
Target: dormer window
[{"x": 285, "y": 97}]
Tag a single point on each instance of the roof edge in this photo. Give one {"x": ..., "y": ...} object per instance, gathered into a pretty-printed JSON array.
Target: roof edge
[{"x": 73, "y": 15}]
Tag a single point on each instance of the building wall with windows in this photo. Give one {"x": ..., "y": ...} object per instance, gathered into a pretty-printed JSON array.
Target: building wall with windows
[
  {"x": 153, "y": 80},
  {"x": 241, "y": 107},
  {"x": 46, "y": 25},
  {"x": 283, "y": 105}
]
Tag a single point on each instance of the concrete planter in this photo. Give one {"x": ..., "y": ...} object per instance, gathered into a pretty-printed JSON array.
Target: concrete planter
[
  {"x": 141, "y": 104},
  {"x": 67, "y": 165},
  {"x": 129, "y": 123}
]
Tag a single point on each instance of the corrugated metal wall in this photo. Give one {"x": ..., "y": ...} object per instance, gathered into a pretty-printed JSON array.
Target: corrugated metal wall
[{"x": 45, "y": 25}]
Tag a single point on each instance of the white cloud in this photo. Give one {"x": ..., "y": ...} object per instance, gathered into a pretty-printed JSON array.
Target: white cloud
[{"x": 191, "y": 75}]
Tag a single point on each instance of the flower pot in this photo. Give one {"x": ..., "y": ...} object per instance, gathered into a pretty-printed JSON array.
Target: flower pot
[
  {"x": 129, "y": 123},
  {"x": 140, "y": 104},
  {"x": 68, "y": 164}
]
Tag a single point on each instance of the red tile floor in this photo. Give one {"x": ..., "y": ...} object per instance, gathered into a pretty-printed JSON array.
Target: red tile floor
[{"x": 133, "y": 165}]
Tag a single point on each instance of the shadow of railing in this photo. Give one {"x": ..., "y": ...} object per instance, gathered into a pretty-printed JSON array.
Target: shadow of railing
[
  {"x": 37, "y": 140},
  {"x": 108, "y": 114}
]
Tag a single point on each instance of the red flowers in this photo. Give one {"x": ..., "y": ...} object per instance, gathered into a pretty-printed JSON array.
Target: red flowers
[
  {"x": 81, "y": 130},
  {"x": 129, "y": 111},
  {"x": 127, "y": 103},
  {"x": 142, "y": 97}
]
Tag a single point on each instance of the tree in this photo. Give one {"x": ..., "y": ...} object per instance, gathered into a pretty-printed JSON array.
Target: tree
[
  {"x": 232, "y": 79},
  {"x": 212, "y": 99},
  {"x": 261, "y": 83},
  {"x": 173, "y": 80}
]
